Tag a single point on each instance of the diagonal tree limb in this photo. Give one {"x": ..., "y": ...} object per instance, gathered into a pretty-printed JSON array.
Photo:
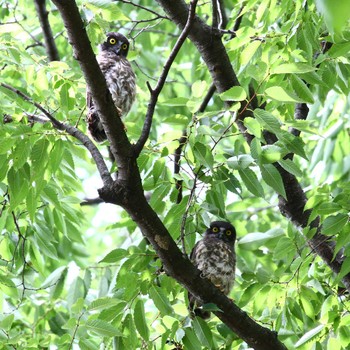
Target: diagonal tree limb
[
  {"x": 128, "y": 193},
  {"x": 50, "y": 45},
  {"x": 71, "y": 130},
  {"x": 214, "y": 55}
]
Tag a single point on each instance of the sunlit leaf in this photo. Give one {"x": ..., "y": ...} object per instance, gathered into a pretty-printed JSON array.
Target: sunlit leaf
[
  {"x": 267, "y": 120},
  {"x": 102, "y": 328},
  {"x": 280, "y": 94},
  {"x": 298, "y": 67},
  {"x": 333, "y": 224},
  {"x": 140, "y": 320},
  {"x": 236, "y": 93},
  {"x": 203, "y": 332},
  {"x": 160, "y": 300},
  {"x": 308, "y": 336},
  {"x": 273, "y": 178},
  {"x": 251, "y": 181}
]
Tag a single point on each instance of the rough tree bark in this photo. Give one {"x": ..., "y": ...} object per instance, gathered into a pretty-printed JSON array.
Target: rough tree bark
[
  {"x": 51, "y": 48},
  {"x": 127, "y": 192},
  {"x": 209, "y": 44}
]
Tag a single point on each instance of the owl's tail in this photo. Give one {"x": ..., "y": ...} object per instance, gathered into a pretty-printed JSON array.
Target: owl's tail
[{"x": 95, "y": 126}]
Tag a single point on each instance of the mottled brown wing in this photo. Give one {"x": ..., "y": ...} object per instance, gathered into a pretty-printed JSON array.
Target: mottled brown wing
[{"x": 193, "y": 306}]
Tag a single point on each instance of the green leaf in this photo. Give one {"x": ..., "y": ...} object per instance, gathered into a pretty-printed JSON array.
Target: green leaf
[
  {"x": 251, "y": 181},
  {"x": 190, "y": 340},
  {"x": 298, "y": 67},
  {"x": 160, "y": 300},
  {"x": 175, "y": 102},
  {"x": 253, "y": 126},
  {"x": 333, "y": 224},
  {"x": 315, "y": 332},
  {"x": 140, "y": 320},
  {"x": 86, "y": 344},
  {"x": 21, "y": 153},
  {"x": 345, "y": 269},
  {"x": 281, "y": 94},
  {"x": 43, "y": 240},
  {"x": 336, "y": 14},
  {"x": 65, "y": 100},
  {"x": 328, "y": 208},
  {"x": 19, "y": 186},
  {"x": 39, "y": 157},
  {"x": 243, "y": 161},
  {"x": 339, "y": 49},
  {"x": 56, "y": 155},
  {"x": 285, "y": 250},
  {"x": 103, "y": 303},
  {"x": 291, "y": 167},
  {"x": 273, "y": 178},
  {"x": 158, "y": 169},
  {"x": 271, "y": 154},
  {"x": 102, "y": 328},
  {"x": 109, "y": 11},
  {"x": 6, "y": 322},
  {"x": 248, "y": 53},
  {"x": 235, "y": 93},
  {"x": 76, "y": 291},
  {"x": 114, "y": 256},
  {"x": 203, "y": 154},
  {"x": 256, "y": 239},
  {"x": 54, "y": 277},
  {"x": 267, "y": 120},
  {"x": 293, "y": 144},
  {"x": 301, "y": 89},
  {"x": 203, "y": 333}
]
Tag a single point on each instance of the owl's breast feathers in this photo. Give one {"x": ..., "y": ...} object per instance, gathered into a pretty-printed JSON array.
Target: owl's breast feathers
[
  {"x": 120, "y": 79},
  {"x": 216, "y": 260}
]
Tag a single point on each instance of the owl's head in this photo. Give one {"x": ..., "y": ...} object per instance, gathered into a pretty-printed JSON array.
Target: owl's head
[
  {"x": 116, "y": 43},
  {"x": 222, "y": 230}
]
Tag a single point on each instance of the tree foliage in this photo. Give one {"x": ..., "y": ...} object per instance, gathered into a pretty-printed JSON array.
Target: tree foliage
[{"x": 267, "y": 147}]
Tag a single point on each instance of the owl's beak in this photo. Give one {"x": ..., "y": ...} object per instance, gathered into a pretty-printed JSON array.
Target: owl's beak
[
  {"x": 117, "y": 48},
  {"x": 221, "y": 233}
]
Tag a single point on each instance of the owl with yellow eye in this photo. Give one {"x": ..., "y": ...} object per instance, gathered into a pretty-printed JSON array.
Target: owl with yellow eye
[
  {"x": 215, "y": 257},
  {"x": 120, "y": 80}
]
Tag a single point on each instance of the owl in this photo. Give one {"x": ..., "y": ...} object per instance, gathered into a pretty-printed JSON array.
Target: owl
[
  {"x": 215, "y": 257},
  {"x": 120, "y": 80}
]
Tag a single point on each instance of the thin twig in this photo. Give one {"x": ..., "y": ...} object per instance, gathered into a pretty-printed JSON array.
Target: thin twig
[
  {"x": 91, "y": 201},
  {"x": 142, "y": 7},
  {"x": 183, "y": 141},
  {"x": 71, "y": 130},
  {"x": 161, "y": 81}
]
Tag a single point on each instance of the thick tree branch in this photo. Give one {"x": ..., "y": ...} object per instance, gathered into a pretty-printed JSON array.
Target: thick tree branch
[
  {"x": 161, "y": 81},
  {"x": 71, "y": 130},
  {"x": 214, "y": 55},
  {"x": 180, "y": 268},
  {"x": 51, "y": 48},
  {"x": 128, "y": 193}
]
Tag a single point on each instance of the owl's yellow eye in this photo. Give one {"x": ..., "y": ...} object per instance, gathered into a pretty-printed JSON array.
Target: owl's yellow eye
[
  {"x": 228, "y": 232},
  {"x": 215, "y": 229},
  {"x": 112, "y": 41},
  {"x": 124, "y": 46}
]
